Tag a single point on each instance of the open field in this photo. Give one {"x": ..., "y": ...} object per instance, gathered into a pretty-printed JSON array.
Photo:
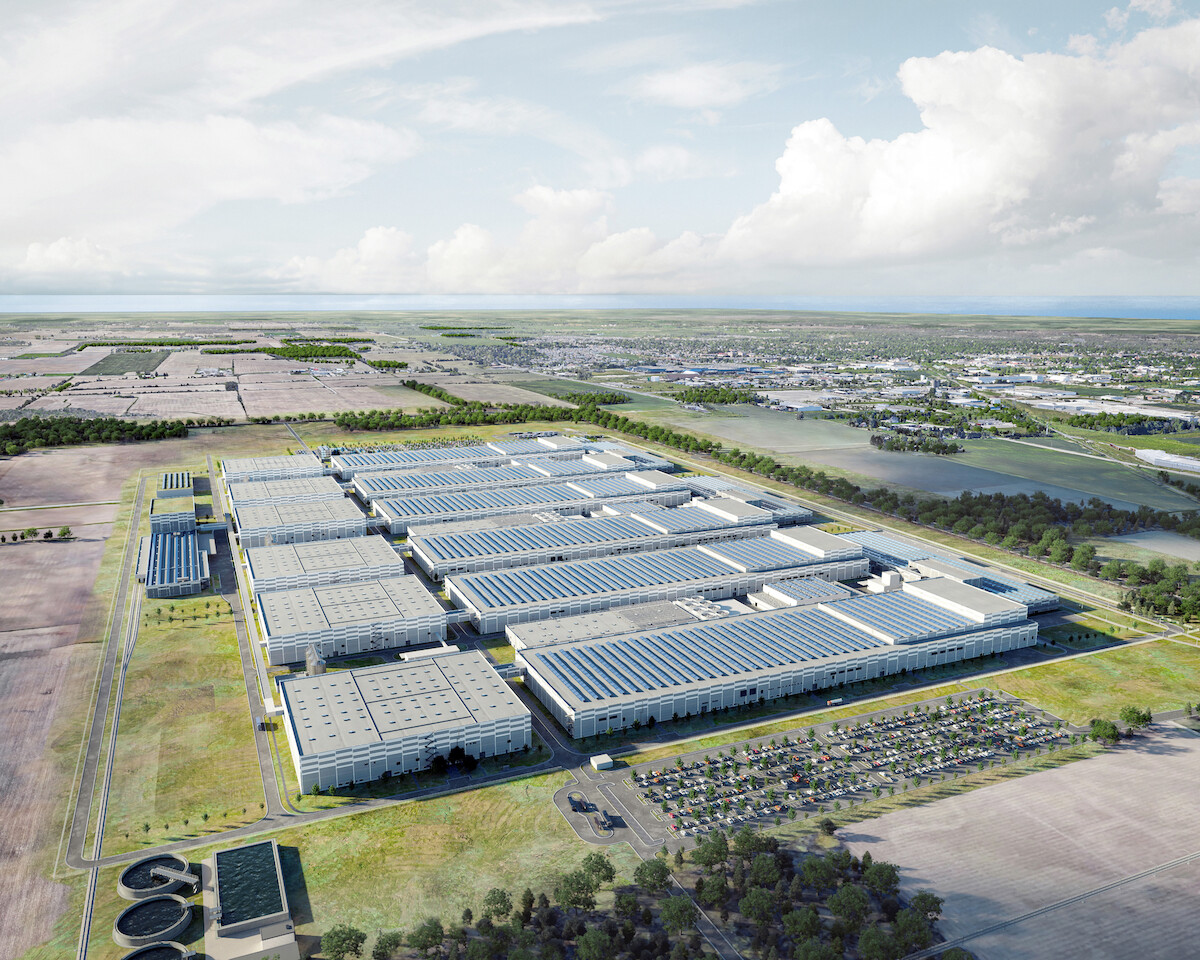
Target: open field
[
  {"x": 1151, "y": 542},
  {"x": 111, "y": 405},
  {"x": 185, "y": 746},
  {"x": 116, "y": 364},
  {"x": 490, "y": 392},
  {"x": 1019, "y": 846},
  {"x": 1162, "y": 675}
]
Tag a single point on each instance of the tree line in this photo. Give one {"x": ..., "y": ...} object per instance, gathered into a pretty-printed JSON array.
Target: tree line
[
  {"x": 909, "y": 443},
  {"x": 716, "y": 395},
  {"x": 21, "y": 435},
  {"x": 1128, "y": 424},
  {"x": 162, "y": 342},
  {"x": 804, "y": 906},
  {"x": 299, "y": 351}
]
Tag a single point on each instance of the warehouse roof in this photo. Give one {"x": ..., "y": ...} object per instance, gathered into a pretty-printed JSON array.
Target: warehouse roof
[
  {"x": 305, "y": 462},
  {"x": 175, "y": 480},
  {"x": 886, "y": 550},
  {"x": 578, "y": 578},
  {"x": 296, "y": 559},
  {"x": 993, "y": 582},
  {"x": 411, "y": 483},
  {"x": 534, "y": 496},
  {"x": 247, "y": 492},
  {"x": 804, "y": 590},
  {"x": 255, "y": 516},
  {"x": 722, "y": 487},
  {"x": 396, "y": 701},
  {"x": 634, "y": 526},
  {"x": 400, "y": 459},
  {"x": 598, "y": 670},
  {"x": 287, "y": 612},
  {"x": 898, "y": 617},
  {"x": 173, "y": 558},
  {"x": 163, "y": 505},
  {"x": 955, "y": 593},
  {"x": 601, "y": 623}
]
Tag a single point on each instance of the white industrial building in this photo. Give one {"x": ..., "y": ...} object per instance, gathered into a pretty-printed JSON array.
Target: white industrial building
[
  {"x": 346, "y": 618},
  {"x": 514, "y": 473},
  {"x": 366, "y": 724},
  {"x": 564, "y": 497},
  {"x": 241, "y": 469},
  {"x": 291, "y": 566},
  {"x": 174, "y": 483},
  {"x": 252, "y": 493},
  {"x": 614, "y": 682},
  {"x": 622, "y": 530},
  {"x": 713, "y": 571},
  {"x": 173, "y": 564},
  {"x": 271, "y": 523},
  {"x": 616, "y": 620},
  {"x": 175, "y": 514}
]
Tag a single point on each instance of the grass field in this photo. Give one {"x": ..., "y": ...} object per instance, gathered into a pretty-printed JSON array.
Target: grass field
[
  {"x": 185, "y": 746},
  {"x": 116, "y": 364},
  {"x": 1162, "y": 675}
]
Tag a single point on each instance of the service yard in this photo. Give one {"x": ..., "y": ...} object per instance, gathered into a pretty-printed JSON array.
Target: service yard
[{"x": 1030, "y": 843}]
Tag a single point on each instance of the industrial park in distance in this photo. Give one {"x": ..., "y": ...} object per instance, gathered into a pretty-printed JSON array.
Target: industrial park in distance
[{"x": 615, "y": 630}]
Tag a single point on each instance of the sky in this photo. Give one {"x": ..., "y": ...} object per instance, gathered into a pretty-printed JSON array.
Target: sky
[{"x": 780, "y": 147}]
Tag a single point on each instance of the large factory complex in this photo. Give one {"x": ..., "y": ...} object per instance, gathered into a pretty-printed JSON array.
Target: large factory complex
[{"x": 629, "y": 594}]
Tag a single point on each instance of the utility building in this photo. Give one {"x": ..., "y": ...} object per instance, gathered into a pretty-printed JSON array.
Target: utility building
[
  {"x": 652, "y": 528},
  {"x": 173, "y": 514},
  {"x": 572, "y": 498},
  {"x": 269, "y": 524},
  {"x": 174, "y": 484},
  {"x": 614, "y": 682},
  {"x": 348, "y": 618},
  {"x": 366, "y": 724},
  {"x": 253, "y": 493},
  {"x": 292, "y": 566},
  {"x": 712, "y": 571},
  {"x": 172, "y": 565},
  {"x": 297, "y": 465}
]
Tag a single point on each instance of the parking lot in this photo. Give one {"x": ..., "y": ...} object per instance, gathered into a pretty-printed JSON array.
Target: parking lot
[{"x": 832, "y": 766}]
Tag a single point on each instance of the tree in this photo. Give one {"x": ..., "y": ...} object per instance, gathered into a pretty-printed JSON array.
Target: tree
[
  {"x": 712, "y": 850},
  {"x": 653, "y": 876},
  {"x": 876, "y": 944},
  {"x": 342, "y": 941},
  {"x": 814, "y": 949},
  {"x": 912, "y": 930},
  {"x": 882, "y": 878},
  {"x": 428, "y": 936},
  {"x": 48, "y": 535},
  {"x": 595, "y": 944},
  {"x": 64, "y": 533},
  {"x": 1104, "y": 731},
  {"x": 828, "y": 827},
  {"x": 597, "y": 868},
  {"x": 818, "y": 873},
  {"x": 801, "y": 925},
  {"x": 764, "y": 872},
  {"x": 677, "y": 914},
  {"x": 850, "y": 905},
  {"x": 625, "y": 905},
  {"x": 1135, "y": 717},
  {"x": 386, "y": 945},
  {"x": 497, "y": 903},
  {"x": 714, "y": 891},
  {"x": 927, "y": 904},
  {"x": 757, "y": 905},
  {"x": 575, "y": 891}
]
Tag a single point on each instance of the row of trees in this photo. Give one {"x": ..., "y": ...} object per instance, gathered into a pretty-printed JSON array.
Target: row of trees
[
  {"x": 299, "y": 351},
  {"x": 31, "y": 533},
  {"x": 162, "y": 342},
  {"x": 716, "y": 395},
  {"x": 1127, "y": 424},
  {"x": 908, "y": 443},
  {"x": 808, "y": 906},
  {"x": 21, "y": 435}
]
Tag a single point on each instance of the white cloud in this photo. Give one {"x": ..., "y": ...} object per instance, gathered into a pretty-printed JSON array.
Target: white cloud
[
  {"x": 1011, "y": 151},
  {"x": 1116, "y": 19},
  {"x": 383, "y": 259},
  {"x": 125, "y": 180},
  {"x": 671, "y": 162},
  {"x": 714, "y": 85},
  {"x": 1158, "y": 9},
  {"x": 68, "y": 255}
]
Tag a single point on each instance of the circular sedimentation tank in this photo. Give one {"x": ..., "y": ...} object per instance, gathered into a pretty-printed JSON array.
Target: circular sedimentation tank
[
  {"x": 137, "y": 883},
  {"x": 162, "y": 950},
  {"x": 153, "y": 920}
]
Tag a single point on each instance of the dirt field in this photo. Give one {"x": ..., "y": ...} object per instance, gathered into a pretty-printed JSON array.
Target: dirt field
[
  {"x": 495, "y": 392},
  {"x": 1003, "y": 851}
]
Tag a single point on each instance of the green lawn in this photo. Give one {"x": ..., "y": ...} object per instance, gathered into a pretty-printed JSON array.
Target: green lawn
[
  {"x": 185, "y": 747},
  {"x": 1162, "y": 675},
  {"x": 499, "y": 649}
]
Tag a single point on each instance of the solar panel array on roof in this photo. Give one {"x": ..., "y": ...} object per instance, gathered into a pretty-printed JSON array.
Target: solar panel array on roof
[
  {"x": 547, "y": 494},
  {"x": 809, "y": 589},
  {"x": 376, "y": 485},
  {"x": 175, "y": 558},
  {"x": 759, "y": 553},
  {"x": 1035, "y": 598},
  {"x": 584, "y": 577},
  {"x": 886, "y": 550},
  {"x": 901, "y": 617},
  {"x": 599, "y": 670}
]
